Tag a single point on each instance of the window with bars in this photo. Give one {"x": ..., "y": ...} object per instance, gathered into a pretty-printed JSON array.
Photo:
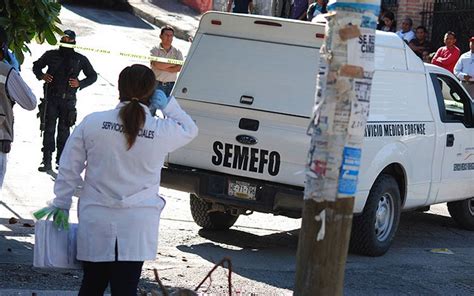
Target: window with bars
[{"x": 440, "y": 16}]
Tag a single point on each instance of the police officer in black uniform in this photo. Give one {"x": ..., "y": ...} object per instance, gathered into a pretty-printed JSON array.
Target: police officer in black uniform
[{"x": 61, "y": 85}]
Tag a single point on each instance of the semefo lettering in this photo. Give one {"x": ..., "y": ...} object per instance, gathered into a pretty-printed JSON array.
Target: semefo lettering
[{"x": 246, "y": 158}]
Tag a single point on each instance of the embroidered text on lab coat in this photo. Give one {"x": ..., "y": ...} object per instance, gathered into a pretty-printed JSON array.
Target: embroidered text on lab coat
[{"x": 117, "y": 127}]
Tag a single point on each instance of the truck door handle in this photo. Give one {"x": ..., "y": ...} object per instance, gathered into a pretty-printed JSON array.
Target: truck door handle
[
  {"x": 247, "y": 100},
  {"x": 450, "y": 140}
]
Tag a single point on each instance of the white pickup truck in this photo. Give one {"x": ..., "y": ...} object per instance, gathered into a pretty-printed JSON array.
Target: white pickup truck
[{"x": 249, "y": 83}]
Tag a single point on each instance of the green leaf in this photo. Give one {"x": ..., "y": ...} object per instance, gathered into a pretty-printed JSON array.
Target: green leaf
[
  {"x": 24, "y": 20},
  {"x": 7, "y": 6},
  {"x": 26, "y": 49},
  {"x": 57, "y": 20},
  {"x": 42, "y": 13},
  {"x": 58, "y": 31},
  {"x": 20, "y": 56},
  {"x": 40, "y": 38},
  {"x": 56, "y": 7},
  {"x": 49, "y": 35}
]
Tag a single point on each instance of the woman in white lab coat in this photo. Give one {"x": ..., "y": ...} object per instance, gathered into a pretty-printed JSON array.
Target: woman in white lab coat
[{"x": 122, "y": 152}]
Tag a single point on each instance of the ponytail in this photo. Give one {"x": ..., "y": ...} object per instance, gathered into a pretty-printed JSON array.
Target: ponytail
[
  {"x": 133, "y": 119},
  {"x": 136, "y": 85}
]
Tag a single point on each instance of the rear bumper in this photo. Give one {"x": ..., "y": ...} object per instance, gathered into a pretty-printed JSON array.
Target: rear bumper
[{"x": 273, "y": 198}]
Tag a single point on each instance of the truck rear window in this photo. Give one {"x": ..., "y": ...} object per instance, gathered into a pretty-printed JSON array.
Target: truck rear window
[{"x": 251, "y": 74}]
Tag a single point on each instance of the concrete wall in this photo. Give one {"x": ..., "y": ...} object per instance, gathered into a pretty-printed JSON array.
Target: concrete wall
[{"x": 411, "y": 9}]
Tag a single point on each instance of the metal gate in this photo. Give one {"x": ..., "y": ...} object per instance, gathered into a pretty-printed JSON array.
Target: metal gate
[{"x": 441, "y": 16}]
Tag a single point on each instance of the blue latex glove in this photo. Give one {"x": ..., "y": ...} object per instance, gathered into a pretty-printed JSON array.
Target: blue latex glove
[
  {"x": 159, "y": 100},
  {"x": 12, "y": 61},
  {"x": 60, "y": 216}
]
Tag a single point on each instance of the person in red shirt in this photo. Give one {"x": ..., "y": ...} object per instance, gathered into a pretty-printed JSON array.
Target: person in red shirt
[{"x": 447, "y": 56}]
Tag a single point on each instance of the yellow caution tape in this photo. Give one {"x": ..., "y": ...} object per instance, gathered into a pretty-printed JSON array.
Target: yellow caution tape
[
  {"x": 124, "y": 54},
  {"x": 442, "y": 251}
]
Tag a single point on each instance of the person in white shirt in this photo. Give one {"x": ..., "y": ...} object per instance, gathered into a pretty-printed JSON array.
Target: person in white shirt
[
  {"x": 406, "y": 33},
  {"x": 464, "y": 69},
  {"x": 12, "y": 90},
  {"x": 122, "y": 152},
  {"x": 165, "y": 74}
]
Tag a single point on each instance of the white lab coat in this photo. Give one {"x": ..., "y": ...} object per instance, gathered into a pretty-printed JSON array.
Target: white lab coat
[{"x": 119, "y": 201}]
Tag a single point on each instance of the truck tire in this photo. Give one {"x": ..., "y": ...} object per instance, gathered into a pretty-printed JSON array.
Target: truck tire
[
  {"x": 209, "y": 220},
  {"x": 373, "y": 231},
  {"x": 463, "y": 213}
]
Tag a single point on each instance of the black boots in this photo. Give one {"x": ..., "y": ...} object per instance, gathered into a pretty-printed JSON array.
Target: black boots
[
  {"x": 46, "y": 163},
  {"x": 45, "y": 166}
]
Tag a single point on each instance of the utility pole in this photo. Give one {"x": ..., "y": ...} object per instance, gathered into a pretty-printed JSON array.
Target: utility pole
[{"x": 337, "y": 131}]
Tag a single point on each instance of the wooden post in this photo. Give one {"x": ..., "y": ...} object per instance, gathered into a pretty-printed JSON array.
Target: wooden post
[{"x": 337, "y": 132}]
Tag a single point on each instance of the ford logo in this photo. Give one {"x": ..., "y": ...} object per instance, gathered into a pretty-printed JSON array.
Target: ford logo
[{"x": 247, "y": 140}]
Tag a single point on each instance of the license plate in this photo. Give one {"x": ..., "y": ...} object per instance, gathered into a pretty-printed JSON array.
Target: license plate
[{"x": 242, "y": 190}]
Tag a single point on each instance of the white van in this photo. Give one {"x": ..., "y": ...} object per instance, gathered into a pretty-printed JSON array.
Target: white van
[{"x": 249, "y": 83}]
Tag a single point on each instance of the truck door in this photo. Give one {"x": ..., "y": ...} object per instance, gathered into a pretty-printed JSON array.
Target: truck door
[{"x": 455, "y": 109}]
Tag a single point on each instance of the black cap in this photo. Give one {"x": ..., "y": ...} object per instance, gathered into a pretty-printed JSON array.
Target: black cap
[{"x": 70, "y": 33}]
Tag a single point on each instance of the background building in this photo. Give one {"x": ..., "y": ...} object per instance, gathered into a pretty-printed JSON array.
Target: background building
[{"x": 439, "y": 16}]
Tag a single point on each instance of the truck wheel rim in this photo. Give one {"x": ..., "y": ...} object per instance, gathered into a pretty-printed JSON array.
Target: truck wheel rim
[
  {"x": 471, "y": 206},
  {"x": 384, "y": 217}
]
